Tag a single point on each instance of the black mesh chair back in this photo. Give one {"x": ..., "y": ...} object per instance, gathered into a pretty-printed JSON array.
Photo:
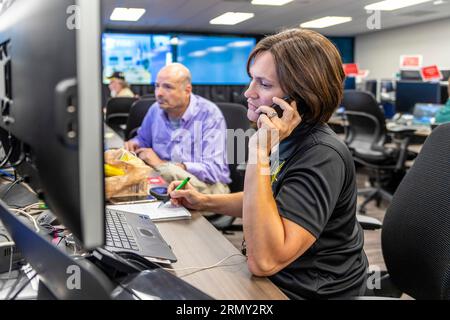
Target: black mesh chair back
[
  {"x": 117, "y": 111},
  {"x": 137, "y": 114},
  {"x": 237, "y": 145},
  {"x": 367, "y": 124},
  {"x": 416, "y": 228},
  {"x": 237, "y": 153}
]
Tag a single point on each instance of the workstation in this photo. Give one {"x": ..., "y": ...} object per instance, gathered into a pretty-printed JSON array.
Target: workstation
[{"x": 136, "y": 163}]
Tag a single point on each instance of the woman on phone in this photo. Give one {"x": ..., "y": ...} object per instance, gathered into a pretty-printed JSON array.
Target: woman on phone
[{"x": 299, "y": 221}]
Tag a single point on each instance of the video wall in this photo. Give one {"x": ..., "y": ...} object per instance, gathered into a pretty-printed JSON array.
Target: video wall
[{"x": 213, "y": 60}]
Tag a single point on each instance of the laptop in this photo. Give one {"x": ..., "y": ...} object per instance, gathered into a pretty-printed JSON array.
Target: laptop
[
  {"x": 129, "y": 232},
  {"x": 425, "y": 113}
]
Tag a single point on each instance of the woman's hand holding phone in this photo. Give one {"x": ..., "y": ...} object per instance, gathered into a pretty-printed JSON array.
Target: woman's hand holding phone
[{"x": 272, "y": 128}]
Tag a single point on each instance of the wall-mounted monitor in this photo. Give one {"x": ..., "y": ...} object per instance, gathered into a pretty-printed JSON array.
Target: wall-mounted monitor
[
  {"x": 215, "y": 60},
  {"x": 139, "y": 56}
]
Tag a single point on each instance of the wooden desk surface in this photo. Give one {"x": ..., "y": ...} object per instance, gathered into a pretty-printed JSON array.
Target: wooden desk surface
[{"x": 196, "y": 243}]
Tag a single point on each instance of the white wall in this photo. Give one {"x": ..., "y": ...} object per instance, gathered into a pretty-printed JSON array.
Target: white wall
[{"x": 380, "y": 51}]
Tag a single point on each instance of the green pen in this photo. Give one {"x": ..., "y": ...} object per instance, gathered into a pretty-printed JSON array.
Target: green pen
[{"x": 181, "y": 186}]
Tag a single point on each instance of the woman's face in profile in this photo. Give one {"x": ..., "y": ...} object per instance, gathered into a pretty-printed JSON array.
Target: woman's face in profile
[{"x": 264, "y": 84}]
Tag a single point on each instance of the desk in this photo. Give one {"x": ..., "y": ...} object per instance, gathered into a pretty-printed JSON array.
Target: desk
[
  {"x": 197, "y": 243},
  {"x": 338, "y": 121}
]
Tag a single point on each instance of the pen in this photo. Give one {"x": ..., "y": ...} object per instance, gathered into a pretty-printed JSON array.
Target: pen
[{"x": 181, "y": 186}]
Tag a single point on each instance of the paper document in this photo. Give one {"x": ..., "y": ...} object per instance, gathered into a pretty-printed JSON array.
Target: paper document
[{"x": 150, "y": 209}]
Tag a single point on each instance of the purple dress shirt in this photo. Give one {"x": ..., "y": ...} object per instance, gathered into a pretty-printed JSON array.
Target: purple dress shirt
[{"x": 199, "y": 142}]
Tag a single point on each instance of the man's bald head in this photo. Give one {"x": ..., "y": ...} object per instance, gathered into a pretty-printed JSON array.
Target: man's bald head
[
  {"x": 178, "y": 73},
  {"x": 173, "y": 89}
]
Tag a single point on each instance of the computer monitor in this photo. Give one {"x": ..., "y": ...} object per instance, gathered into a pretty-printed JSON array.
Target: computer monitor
[
  {"x": 387, "y": 85},
  {"x": 215, "y": 60},
  {"x": 445, "y": 75},
  {"x": 138, "y": 56},
  {"x": 408, "y": 93},
  {"x": 412, "y": 75},
  {"x": 50, "y": 105},
  {"x": 372, "y": 87}
]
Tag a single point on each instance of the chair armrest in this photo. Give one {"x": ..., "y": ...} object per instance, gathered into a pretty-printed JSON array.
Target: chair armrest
[{"x": 368, "y": 223}]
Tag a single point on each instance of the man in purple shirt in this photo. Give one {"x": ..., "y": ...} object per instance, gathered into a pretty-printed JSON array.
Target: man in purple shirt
[{"x": 183, "y": 135}]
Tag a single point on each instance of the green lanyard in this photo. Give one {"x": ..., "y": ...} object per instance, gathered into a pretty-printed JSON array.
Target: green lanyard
[{"x": 277, "y": 171}]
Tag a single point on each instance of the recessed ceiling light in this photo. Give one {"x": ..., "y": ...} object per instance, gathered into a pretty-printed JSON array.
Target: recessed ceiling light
[
  {"x": 270, "y": 2},
  {"x": 325, "y": 22},
  {"x": 232, "y": 18},
  {"x": 390, "y": 5},
  {"x": 127, "y": 14}
]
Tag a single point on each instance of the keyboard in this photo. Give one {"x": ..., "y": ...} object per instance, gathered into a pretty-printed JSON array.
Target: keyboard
[{"x": 118, "y": 234}]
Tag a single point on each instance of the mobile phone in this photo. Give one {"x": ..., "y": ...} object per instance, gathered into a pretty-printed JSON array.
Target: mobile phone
[
  {"x": 160, "y": 193},
  {"x": 278, "y": 108},
  {"x": 133, "y": 199},
  {"x": 300, "y": 106}
]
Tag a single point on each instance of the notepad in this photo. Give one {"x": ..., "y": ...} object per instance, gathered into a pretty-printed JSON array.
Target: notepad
[{"x": 150, "y": 209}]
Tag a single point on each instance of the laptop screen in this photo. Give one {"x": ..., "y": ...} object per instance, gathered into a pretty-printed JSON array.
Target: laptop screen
[{"x": 425, "y": 113}]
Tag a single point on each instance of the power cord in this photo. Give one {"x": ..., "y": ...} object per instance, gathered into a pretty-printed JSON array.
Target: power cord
[
  {"x": 11, "y": 186},
  {"x": 23, "y": 286},
  {"x": 198, "y": 269},
  {"x": 22, "y": 212}
]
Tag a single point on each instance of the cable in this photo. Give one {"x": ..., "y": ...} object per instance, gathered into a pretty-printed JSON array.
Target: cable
[
  {"x": 12, "y": 185},
  {"x": 5, "y": 236},
  {"x": 23, "y": 287},
  {"x": 209, "y": 267},
  {"x": 6, "y": 158},
  {"x": 28, "y": 216}
]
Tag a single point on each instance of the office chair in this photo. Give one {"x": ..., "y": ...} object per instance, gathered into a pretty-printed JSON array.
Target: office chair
[
  {"x": 236, "y": 118},
  {"x": 220, "y": 93},
  {"x": 137, "y": 114},
  {"x": 117, "y": 111},
  {"x": 415, "y": 237},
  {"x": 371, "y": 86},
  {"x": 366, "y": 136}
]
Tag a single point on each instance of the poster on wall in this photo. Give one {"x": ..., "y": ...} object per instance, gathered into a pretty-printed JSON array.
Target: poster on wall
[
  {"x": 431, "y": 73},
  {"x": 351, "y": 69},
  {"x": 411, "y": 62}
]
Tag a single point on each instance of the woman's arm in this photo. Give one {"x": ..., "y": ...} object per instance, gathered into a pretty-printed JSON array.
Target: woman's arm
[
  {"x": 272, "y": 241},
  {"x": 189, "y": 197}
]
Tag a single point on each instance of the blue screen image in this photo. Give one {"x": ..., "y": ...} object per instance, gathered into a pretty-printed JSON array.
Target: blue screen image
[
  {"x": 215, "y": 60},
  {"x": 140, "y": 57}
]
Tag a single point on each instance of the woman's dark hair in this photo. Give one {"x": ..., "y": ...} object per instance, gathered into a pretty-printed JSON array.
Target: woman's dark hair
[{"x": 309, "y": 68}]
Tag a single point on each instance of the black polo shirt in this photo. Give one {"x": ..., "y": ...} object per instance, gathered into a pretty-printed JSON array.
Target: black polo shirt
[{"x": 314, "y": 184}]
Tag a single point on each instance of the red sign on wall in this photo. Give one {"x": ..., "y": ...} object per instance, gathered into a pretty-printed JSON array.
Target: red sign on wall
[
  {"x": 411, "y": 62},
  {"x": 431, "y": 73},
  {"x": 351, "y": 69}
]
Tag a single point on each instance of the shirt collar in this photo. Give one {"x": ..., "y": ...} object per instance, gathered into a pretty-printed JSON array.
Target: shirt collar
[
  {"x": 290, "y": 144},
  {"x": 191, "y": 110}
]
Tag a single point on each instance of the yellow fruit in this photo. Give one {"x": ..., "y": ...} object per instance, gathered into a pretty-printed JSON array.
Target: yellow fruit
[{"x": 111, "y": 171}]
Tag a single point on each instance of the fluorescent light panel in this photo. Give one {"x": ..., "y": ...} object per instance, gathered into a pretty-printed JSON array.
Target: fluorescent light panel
[
  {"x": 127, "y": 14},
  {"x": 270, "y": 2},
  {"x": 232, "y": 18},
  {"x": 390, "y": 5},
  {"x": 325, "y": 22}
]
